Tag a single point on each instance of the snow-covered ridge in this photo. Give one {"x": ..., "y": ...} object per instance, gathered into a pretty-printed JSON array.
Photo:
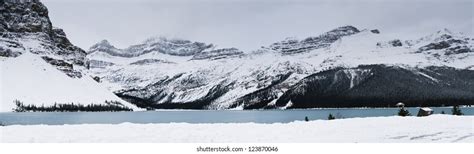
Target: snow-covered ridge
[
  {"x": 175, "y": 47},
  {"x": 227, "y": 78}
]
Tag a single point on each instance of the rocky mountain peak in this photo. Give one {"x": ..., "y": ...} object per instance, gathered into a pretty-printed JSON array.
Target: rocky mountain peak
[
  {"x": 23, "y": 16},
  {"x": 342, "y": 31},
  {"x": 102, "y": 45},
  {"x": 292, "y": 46},
  {"x": 175, "y": 47},
  {"x": 446, "y": 41},
  {"x": 445, "y": 31},
  {"x": 105, "y": 43},
  {"x": 26, "y": 27}
]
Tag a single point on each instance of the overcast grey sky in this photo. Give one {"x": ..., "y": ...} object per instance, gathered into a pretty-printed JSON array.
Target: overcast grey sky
[{"x": 249, "y": 24}]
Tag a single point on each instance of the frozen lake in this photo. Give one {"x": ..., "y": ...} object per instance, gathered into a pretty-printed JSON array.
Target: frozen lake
[{"x": 201, "y": 116}]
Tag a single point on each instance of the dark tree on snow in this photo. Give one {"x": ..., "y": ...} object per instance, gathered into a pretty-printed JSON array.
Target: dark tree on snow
[
  {"x": 456, "y": 110},
  {"x": 403, "y": 112}
]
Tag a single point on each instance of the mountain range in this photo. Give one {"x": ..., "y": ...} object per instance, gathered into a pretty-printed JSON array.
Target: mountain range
[{"x": 344, "y": 67}]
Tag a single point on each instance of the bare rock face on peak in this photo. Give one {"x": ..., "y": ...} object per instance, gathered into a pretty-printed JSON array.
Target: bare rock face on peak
[
  {"x": 448, "y": 42},
  {"x": 174, "y": 47},
  {"x": 295, "y": 46},
  {"x": 25, "y": 27},
  {"x": 218, "y": 54}
]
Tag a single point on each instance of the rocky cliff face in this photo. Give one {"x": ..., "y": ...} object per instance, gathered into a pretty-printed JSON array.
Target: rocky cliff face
[
  {"x": 447, "y": 42},
  {"x": 40, "y": 67},
  {"x": 291, "y": 46},
  {"x": 218, "y": 54},
  {"x": 175, "y": 47},
  {"x": 24, "y": 16},
  {"x": 25, "y": 27}
]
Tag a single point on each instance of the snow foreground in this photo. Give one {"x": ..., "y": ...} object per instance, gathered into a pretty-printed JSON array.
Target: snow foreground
[{"x": 435, "y": 128}]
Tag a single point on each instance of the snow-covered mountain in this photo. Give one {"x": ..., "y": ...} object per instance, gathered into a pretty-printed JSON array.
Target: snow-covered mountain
[
  {"x": 38, "y": 64},
  {"x": 346, "y": 66},
  {"x": 202, "y": 76}
]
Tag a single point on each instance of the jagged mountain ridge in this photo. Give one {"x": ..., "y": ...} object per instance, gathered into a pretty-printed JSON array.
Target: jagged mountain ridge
[
  {"x": 291, "y": 45},
  {"x": 176, "y": 47},
  {"x": 258, "y": 79}
]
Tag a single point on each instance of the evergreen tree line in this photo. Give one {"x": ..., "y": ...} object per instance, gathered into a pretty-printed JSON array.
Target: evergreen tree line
[
  {"x": 111, "y": 106},
  {"x": 385, "y": 86},
  {"x": 455, "y": 111},
  {"x": 372, "y": 102}
]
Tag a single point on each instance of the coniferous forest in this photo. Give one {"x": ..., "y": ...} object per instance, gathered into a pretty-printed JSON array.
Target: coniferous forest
[{"x": 110, "y": 106}]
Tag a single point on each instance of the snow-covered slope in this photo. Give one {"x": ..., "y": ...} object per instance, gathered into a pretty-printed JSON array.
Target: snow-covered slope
[
  {"x": 371, "y": 48},
  {"x": 29, "y": 79},
  {"x": 258, "y": 78},
  {"x": 38, "y": 64}
]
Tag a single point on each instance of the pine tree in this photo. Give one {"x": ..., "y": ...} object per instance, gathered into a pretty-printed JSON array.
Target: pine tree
[
  {"x": 403, "y": 112},
  {"x": 456, "y": 110},
  {"x": 442, "y": 112},
  {"x": 19, "y": 106},
  {"x": 306, "y": 118},
  {"x": 331, "y": 117}
]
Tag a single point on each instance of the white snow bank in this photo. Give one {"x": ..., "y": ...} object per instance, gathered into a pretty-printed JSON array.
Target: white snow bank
[
  {"x": 435, "y": 128},
  {"x": 426, "y": 109},
  {"x": 28, "y": 78}
]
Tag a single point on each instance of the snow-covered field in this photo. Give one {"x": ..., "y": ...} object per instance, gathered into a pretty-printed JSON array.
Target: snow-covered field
[{"x": 435, "y": 128}]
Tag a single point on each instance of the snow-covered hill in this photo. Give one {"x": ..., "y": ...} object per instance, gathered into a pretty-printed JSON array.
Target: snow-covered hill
[
  {"x": 256, "y": 79},
  {"x": 38, "y": 64},
  {"x": 29, "y": 79}
]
